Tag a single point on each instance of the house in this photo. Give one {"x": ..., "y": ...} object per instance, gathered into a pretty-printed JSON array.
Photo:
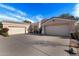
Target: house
[
  {"x": 16, "y": 27},
  {"x": 35, "y": 27},
  {"x": 58, "y": 26}
]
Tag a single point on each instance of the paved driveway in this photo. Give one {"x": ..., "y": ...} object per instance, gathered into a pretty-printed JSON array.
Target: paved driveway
[{"x": 33, "y": 45}]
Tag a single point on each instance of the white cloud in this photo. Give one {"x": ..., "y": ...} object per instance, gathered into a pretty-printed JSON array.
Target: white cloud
[
  {"x": 29, "y": 20},
  {"x": 17, "y": 16},
  {"x": 14, "y": 15},
  {"x": 5, "y": 17},
  {"x": 7, "y": 7},
  {"x": 39, "y": 17},
  {"x": 12, "y": 9},
  {"x": 22, "y": 13},
  {"x": 76, "y": 10},
  {"x": 20, "y": 17}
]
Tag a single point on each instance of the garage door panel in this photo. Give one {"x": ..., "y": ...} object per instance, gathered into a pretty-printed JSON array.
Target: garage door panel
[
  {"x": 16, "y": 31},
  {"x": 57, "y": 30}
]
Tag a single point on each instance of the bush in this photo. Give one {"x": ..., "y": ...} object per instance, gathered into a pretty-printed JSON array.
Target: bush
[{"x": 4, "y": 32}]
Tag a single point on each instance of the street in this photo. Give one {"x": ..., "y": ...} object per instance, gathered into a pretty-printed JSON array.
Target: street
[{"x": 33, "y": 45}]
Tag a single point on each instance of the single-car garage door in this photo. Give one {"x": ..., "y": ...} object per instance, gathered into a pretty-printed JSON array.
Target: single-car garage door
[
  {"x": 16, "y": 30},
  {"x": 57, "y": 30}
]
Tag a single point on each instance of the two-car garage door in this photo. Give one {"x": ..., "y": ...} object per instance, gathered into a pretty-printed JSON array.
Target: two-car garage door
[
  {"x": 16, "y": 30},
  {"x": 57, "y": 30}
]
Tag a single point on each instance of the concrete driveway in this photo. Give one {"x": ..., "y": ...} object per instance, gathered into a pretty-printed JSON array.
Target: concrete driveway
[{"x": 33, "y": 45}]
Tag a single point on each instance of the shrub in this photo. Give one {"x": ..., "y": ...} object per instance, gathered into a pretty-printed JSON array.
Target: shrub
[{"x": 4, "y": 32}]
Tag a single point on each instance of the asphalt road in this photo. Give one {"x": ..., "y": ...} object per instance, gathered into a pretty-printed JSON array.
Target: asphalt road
[{"x": 33, "y": 45}]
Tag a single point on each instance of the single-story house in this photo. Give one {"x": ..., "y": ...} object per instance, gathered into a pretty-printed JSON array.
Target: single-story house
[
  {"x": 58, "y": 26},
  {"x": 36, "y": 26},
  {"x": 33, "y": 27},
  {"x": 16, "y": 27}
]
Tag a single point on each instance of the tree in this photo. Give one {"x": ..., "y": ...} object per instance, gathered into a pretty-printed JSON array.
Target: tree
[
  {"x": 1, "y": 25},
  {"x": 67, "y": 16},
  {"x": 26, "y": 21}
]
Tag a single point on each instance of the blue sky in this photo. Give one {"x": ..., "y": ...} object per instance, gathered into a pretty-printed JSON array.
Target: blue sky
[{"x": 36, "y": 11}]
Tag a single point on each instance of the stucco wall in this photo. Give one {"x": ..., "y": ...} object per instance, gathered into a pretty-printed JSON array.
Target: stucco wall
[
  {"x": 16, "y": 28},
  {"x": 58, "y": 23}
]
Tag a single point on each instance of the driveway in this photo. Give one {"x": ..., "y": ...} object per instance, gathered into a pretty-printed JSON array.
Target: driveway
[{"x": 33, "y": 45}]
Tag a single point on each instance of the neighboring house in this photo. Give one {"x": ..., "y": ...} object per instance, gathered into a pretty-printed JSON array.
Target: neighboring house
[
  {"x": 16, "y": 27},
  {"x": 33, "y": 27},
  {"x": 36, "y": 26},
  {"x": 58, "y": 26}
]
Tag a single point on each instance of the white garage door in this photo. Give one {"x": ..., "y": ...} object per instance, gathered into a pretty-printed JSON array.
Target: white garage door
[
  {"x": 57, "y": 30},
  {"x": 14, "y": 30}
]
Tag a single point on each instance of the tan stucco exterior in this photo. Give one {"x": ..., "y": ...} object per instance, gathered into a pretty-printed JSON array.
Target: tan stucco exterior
[
  {"x": 16, "y": 28},
  {"x": 62, "y": 26}
]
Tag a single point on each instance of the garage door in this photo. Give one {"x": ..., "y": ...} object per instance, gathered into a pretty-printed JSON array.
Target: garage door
[
  {"x": 57, "y": 30},
  {"x": 14, "y": 30}
]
